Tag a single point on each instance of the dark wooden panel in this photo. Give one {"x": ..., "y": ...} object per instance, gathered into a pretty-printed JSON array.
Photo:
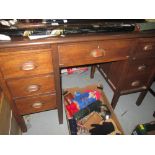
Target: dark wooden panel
[
  {"x": 106, "y": 67},
  {"x": 145, "y": 48},
  {"x": 135, "y": 82},
  {"x": 141, "y": 67},
  {"x": 115, "y": 72}
]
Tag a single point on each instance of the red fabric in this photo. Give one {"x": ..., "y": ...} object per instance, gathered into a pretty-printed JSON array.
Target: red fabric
[{"x": 72, "y": 109}]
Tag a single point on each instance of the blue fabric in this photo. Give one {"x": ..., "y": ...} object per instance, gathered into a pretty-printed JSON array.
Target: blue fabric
[{"x": 83, "y": 99}]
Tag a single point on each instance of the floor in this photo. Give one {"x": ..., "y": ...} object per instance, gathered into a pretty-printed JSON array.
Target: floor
[{"x": 129, "y": 115}]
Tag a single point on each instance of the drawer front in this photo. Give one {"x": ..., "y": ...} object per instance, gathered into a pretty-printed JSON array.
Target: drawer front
[
  {"x": 94, "y": 52},
  {"x": 136, "y": 82},
  {"x": 31, "y": 86},
  {"x": 36, "y": 104},
  {"x": 26, "y": 64},
  {"x": 141, "y": 67},
  {"x": 146, "y": 48}
]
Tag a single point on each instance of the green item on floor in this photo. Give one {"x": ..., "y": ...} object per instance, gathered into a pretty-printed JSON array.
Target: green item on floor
[{"x": 95, "y": 106}]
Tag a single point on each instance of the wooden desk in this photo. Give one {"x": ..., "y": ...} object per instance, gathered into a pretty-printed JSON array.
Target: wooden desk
[{"x": 30, "y": 70}]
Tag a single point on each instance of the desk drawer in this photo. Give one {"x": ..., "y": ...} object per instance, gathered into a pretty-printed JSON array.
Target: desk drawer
[
  {"x": 146, "y": 48},
  {"x": 31, "y": 86},
  {"x": 94, "y": 52},
  {"x": 136, "y": 82},
  {"x": 26, "y": 64},
  {"x": 36, "y": 104},
  {"x": 141, "y": 67}
]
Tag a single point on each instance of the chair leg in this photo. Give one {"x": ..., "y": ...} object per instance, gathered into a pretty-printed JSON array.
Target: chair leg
[
  {"x": 115, "y": 100},
  {"x": 92, "y": 72},
  {"x": 141, "y": 97}
]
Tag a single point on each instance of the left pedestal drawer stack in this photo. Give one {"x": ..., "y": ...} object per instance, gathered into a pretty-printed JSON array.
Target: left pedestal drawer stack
[{"x": 29, "y": 78}]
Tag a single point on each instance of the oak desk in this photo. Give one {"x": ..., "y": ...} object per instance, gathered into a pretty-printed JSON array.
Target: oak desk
[{"x": 30, "y": 69}]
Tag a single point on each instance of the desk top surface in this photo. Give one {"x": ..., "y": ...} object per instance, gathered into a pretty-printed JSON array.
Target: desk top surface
[
  {"x": 73, "y": 32},
  {"x": 15, "y": 42}
]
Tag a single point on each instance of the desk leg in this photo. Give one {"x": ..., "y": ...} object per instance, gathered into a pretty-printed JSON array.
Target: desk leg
[
  {"x": 92, "y": 72},
  {"x": 143, "y": 94},
  {"x": 57, "y": 79},
  {"x": 115, "y": 99},
  {"x": 141, "y": 97}
]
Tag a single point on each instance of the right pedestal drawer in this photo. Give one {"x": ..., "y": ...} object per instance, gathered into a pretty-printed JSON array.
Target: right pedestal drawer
[
  {"x": 145, "y": 48},
  {"x": 138, "y": 73},
  {"x": 141, "y": 66}
]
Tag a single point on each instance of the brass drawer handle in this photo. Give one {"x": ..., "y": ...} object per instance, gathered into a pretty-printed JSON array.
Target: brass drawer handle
[
  {"x": 135, "y": 83},
  {"x": 96, "y": 53},
  {"x": 148, "y": 47},
  {"x": 28, "y": 66},
  {"x": 141, "y": 68},
  {"x": 33, "y": 88},
  {"x": 37, "y": 105}
]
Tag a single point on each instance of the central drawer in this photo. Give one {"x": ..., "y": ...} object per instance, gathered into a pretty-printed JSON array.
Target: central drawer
[
  {"x": 94, "y": 52},
  {"x": 31, "y": 86},
  {"x": 36, "y": 104}
]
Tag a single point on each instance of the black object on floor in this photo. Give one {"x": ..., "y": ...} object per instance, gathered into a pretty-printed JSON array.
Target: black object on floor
[
  {"x": 104, "y": 129},
  {"x": 73, "y": 126}
]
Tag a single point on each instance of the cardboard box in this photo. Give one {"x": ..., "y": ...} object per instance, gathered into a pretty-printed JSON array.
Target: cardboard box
[{"x": 104, "y": 101}]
